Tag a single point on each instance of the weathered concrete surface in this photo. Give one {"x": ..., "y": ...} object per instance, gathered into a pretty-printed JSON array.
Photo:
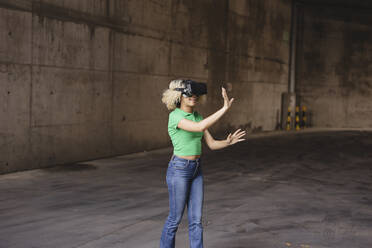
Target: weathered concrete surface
[
  {"x": 83, "y": 79},
  {"x": 289, "y": 190},
  {"x": 334, "y": 66},
  {"x": 257, "y": 62}
]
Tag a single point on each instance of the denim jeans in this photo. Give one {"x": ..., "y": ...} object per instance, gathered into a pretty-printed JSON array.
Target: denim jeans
[{"x": 185, "y": 186}]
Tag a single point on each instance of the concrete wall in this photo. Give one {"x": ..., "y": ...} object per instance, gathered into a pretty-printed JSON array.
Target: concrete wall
[
  {"x": 334, "y": 70},
  {"x": 257, "y": 65},
  {"x": 83, "y": 79}
]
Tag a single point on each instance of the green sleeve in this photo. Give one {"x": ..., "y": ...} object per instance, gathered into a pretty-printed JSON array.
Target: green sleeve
[{"x": 174, "y": 118}]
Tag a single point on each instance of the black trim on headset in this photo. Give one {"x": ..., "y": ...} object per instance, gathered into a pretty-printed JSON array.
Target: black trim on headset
[{"x": 192, "y": 87}]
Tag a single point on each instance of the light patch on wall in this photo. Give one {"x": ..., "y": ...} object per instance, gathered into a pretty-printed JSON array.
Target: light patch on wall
[{"x": 286, "y": 36}]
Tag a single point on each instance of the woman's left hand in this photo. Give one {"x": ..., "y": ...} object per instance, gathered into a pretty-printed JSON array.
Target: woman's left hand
[{"x": 234, "y": 138}]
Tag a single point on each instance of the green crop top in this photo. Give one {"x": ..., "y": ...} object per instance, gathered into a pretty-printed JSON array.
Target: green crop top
[{"x": 185, "y": 143}]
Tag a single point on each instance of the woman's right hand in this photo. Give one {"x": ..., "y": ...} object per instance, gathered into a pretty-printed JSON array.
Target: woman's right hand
[{"x": 227, "y": 103}]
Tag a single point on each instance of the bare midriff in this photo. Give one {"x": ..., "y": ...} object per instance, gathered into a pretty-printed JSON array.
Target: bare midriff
[{"x": 192, "y": 157}]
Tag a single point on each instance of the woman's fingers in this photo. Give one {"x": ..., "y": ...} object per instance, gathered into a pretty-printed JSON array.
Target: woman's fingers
[
  {"x": 235, "y": 137},
  {"x": 240, "y": 135},
  {"x": 242, "y": 132},
  {"x": 225, "y": 95},
  {"x": 223, "y": 91},
  {"x": 239, "y": 140},
  {"x": 236, "y": 131},
  {"x": 226, "y": 98}
]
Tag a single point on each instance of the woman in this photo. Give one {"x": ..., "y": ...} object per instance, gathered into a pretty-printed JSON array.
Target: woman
[{"x": 184, "y": 174}]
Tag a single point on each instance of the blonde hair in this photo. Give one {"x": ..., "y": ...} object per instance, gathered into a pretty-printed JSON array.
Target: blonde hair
[{"x": 171, "y": 97}]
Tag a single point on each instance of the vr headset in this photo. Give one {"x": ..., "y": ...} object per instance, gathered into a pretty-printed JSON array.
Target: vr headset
[{"x": 192, "y": 88}]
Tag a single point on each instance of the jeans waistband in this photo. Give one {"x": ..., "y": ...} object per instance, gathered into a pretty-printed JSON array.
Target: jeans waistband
[{"x": 175, "y": 157}]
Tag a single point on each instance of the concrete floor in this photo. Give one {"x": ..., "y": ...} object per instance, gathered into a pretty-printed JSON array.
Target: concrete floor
[{"x": 306, "y": 190}]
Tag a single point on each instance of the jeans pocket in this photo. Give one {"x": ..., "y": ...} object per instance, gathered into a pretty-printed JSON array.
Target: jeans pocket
[{"x": 179, "y": 164}]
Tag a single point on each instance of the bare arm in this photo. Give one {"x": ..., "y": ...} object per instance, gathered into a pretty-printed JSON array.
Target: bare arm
[
  {"x": 219, "y": 144},
  {"x": 201, "y": 126},
  {"x": 212, "y": 143}
]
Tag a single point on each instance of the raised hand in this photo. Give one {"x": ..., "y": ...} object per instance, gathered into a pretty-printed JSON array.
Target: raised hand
[
  {"x": 227, "y": 103},
  {"x": 235, "y": 137}
]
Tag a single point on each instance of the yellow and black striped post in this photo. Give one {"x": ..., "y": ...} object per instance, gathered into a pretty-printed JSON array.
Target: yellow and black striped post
[
  {"x": 289, "y": 119},
  {"x": 304, "y": 117},
  {"x": 297, "y": 121}
]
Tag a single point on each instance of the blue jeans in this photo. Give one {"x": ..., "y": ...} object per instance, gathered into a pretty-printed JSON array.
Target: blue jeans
[{"x": 185, "y": 187}]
